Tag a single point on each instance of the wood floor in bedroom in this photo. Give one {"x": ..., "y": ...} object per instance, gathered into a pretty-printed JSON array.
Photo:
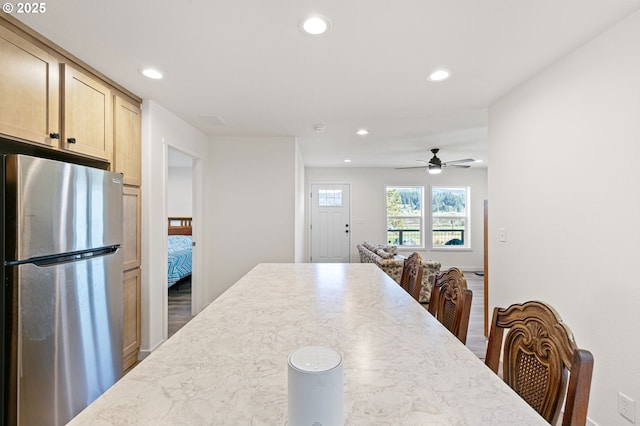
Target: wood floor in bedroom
[
  {"x": 179, "y": 305},
  {"x": 180, "y": 311}
]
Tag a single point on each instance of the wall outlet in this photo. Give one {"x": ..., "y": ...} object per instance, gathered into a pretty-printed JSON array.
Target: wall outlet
[{"x": 626, "y": 407}]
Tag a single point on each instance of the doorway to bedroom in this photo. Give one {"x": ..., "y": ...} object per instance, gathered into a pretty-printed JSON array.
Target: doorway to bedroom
[{"x": 179, "y": 240}]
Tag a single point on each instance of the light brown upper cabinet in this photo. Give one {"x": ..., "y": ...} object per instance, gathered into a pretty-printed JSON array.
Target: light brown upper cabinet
[
  {"x": 86, "y": 115},
  {"x": 29, "y": 91},
  {"x": 127, "y": 156}
]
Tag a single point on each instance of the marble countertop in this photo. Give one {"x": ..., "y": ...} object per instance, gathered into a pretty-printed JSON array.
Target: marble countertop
[{"x": 228, "y": 365}]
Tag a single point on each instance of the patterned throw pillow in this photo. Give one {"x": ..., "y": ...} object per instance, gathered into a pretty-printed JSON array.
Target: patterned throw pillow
[
  {"x": 391, "y": 249},
  {"x": 370, "y": 246},
  {"x": 383, "y": 254}
]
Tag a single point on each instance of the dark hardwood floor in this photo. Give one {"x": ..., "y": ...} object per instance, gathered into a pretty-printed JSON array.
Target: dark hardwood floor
[{"x": 179, "y": 306}]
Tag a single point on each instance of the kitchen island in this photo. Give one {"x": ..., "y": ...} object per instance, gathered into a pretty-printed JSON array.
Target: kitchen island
[{"x": 228, "y": 365}]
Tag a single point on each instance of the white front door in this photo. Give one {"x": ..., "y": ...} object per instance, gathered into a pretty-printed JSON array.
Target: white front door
[{"x": 330, "y": 232}]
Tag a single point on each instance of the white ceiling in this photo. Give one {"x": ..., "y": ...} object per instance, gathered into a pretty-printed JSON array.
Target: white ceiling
[{"x": 247, "y": 62}]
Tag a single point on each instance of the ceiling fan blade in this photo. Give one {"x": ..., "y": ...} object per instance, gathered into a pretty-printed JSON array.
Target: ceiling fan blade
[
  {"x": 466, "y": 160},
  {"x": 462, "y": 166},
  {"x": 415, "y": 167}
]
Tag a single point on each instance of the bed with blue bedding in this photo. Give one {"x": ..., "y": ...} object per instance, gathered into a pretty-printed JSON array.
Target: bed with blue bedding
[{"x": 179, "y": 250}]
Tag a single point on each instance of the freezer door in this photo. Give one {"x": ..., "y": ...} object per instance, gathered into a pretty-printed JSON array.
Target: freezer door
[
  {"x": 55, "y": 207},
  {"x": 69, "y": 337}
]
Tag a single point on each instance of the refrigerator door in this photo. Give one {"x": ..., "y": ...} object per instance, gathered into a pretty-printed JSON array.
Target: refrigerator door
[
  {"x": 68, "y": 337},
  {"x": 57, "y": 207}
]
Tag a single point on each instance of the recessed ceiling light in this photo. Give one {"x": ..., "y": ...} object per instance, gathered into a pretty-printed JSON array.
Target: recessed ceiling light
[
  {"x": 439, "y": 75},
  {"x": 315, "y": 24},
  {"x": 362, "y": 132},
  {"x": 151, "y": 73},
  {"x": 478, "y": 161},
  {"x": 347, "y": 160}
]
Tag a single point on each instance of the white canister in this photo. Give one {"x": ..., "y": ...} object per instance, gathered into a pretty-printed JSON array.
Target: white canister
[{"x": 316, "y": 383}]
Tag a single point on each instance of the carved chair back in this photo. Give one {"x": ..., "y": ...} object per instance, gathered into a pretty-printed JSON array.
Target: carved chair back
[
  {"x": 411, "y": 279},
  {"x": 539, "y": 352},
  {"x": 440, "y": 278},
  {"x": 451, "y": 302},
  {"x": 404, "y": 278}
]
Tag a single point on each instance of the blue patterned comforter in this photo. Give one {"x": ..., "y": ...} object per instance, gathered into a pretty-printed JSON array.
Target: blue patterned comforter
[{"x": 179, "y": 265}]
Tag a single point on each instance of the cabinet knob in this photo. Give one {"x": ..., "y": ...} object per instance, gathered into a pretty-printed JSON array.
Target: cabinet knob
[
  {"x": 71, "y": 140},
  {"x": 54, "y": 135}
]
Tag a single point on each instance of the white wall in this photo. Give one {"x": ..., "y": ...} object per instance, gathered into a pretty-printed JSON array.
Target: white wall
[
  {"x": 299, "y": 208},
  {"x": 161, "y": 129},
  {"x": 563, "y": 181},
  {"x": 368, "y": 205},
  {"x": 179, "y": 192},
  {"x": 251, "y": 204}
]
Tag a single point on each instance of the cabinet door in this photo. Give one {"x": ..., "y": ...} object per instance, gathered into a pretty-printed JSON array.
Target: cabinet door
[
  {"x": 29, "y": 91},
  {"x": 131, "y": 317},
  {"x": 87, "y": 115},
  {"x": 127, "y": 141},
  {"x": 131, "y": 226}
]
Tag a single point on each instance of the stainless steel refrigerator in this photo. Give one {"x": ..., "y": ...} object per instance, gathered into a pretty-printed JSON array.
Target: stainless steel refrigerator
[{"x": 62, "y": 292}]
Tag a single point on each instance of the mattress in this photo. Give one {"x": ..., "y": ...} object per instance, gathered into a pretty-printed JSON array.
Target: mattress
[{"x": 179, "y": 258}]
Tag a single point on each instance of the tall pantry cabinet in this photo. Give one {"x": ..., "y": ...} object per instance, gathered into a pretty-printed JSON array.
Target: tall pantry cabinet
[
  {"x": 54, "y": 105},
  {"x": 127, "y": 161}
]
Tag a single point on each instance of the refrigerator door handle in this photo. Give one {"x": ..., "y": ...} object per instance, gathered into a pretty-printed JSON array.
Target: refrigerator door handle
[{"x": 43, "y": 261}]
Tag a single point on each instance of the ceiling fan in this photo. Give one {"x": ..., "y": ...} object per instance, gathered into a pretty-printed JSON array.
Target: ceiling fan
[{"x": 435, "y": 165}]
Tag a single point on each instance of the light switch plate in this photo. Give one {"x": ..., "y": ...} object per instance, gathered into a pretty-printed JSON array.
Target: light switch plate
[
  {"x": 502, "y": 235},
  {"x": 626, "y": 407}
]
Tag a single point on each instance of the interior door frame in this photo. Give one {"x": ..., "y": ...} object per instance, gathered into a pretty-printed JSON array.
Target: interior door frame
[
  {"x": 197, "y": 290},
  {"x": 310, "y": 207}
]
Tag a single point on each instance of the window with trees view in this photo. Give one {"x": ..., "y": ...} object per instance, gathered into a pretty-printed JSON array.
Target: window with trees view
[
  {"x": 404, "y": 216},
  {"x": 449, "y": 216}
]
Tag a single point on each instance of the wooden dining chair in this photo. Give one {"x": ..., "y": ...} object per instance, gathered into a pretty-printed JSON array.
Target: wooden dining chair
[
  {"x": 539, "y": 351},
  {"x": 411, "y": 279},
  {"x": 439, "y": 279},
  {"x": 404, "y": 278},
  {"x": 451, "y": 300}
]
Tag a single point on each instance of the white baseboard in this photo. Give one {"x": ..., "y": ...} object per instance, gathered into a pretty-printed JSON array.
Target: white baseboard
[{"x": 143, "y": 353}]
